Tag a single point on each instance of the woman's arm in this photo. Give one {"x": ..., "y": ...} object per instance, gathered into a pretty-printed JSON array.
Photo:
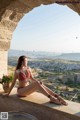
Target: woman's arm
[
  {"x": 31, "y": 75},
  {"x": 32, "y": 78},
  {"x": 13, "y": 83}
]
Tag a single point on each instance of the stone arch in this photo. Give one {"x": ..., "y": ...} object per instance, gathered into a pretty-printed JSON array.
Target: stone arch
[{"x": 11, "y": 11}]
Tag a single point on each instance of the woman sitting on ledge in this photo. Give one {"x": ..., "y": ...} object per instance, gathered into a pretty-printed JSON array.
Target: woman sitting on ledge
[{"x": 23, "y": 74}]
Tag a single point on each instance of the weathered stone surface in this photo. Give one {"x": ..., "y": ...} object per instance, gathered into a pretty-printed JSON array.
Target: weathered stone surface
[
  {"x": 10, "y": 25},
  {"x": 19, "y": 7},
  {"x": 5, "y": 34},
  {"x": 4, "y": 45},
  {"x": 3, "y": 63},
  {"x": 75, "y": 7},
  {"x": 15, "y": 16},
  {"x": 3, "y": 5}
]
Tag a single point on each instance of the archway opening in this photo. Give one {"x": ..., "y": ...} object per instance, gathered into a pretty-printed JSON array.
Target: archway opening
[{"x": 50, "y": 30}]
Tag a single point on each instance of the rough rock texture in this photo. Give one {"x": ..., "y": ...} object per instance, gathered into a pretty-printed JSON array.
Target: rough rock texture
[
  {"x": 3, "y": 62},
  {"x": 11, "y": 11}
]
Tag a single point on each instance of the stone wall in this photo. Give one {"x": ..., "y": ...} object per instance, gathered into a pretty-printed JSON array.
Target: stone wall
[
  {"x": 3, "y": 63},
  {"x": 11, "y": 11}
]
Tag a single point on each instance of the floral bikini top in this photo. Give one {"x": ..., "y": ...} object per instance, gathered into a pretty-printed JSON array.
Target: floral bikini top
[{"x": 24, "y": 75}]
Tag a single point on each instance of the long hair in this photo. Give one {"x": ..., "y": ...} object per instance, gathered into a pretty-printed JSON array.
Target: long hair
[{"x": 20, "y": 60}]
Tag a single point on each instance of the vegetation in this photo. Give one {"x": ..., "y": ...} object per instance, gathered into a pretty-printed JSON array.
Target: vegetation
[{"x": 7, "y": 79}]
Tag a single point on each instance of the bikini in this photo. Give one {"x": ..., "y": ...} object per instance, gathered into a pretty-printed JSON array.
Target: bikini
[{"x": 23, "y": 76}]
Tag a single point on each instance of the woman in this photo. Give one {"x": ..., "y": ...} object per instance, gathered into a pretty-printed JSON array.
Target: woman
[{"x": 23, "y": 74}]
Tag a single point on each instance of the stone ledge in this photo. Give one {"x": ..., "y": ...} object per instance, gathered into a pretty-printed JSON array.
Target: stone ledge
[{"x": 70, "y": 112}]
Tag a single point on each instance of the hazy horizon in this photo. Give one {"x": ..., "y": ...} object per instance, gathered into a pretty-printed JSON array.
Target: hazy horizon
[
  {"x": 44, "y": 55},
  {"x": 44, "y": 51}
]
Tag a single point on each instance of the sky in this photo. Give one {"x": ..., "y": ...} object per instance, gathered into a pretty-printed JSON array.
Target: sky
[{"x": 52, "y": 28}]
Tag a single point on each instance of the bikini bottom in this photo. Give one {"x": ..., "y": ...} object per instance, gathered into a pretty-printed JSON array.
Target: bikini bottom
[{"x": 18, "y": 94}]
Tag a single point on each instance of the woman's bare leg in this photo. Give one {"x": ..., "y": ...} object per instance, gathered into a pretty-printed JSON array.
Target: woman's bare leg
[
  {"x": 49, "y": 90},
  {"x": 54, "y": 94},
  {"x": 37, "y": 86}
]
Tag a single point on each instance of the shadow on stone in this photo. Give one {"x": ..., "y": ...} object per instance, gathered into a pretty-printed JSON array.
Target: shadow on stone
[{"x": 20, "y": 116}]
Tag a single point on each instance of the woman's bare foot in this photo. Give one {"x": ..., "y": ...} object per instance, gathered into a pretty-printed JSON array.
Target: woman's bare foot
[
  {"x": 54, "y": 100},
  {"x": 62, "y": 101}
]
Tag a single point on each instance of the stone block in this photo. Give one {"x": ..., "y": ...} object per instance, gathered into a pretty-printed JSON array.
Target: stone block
[{"x": 3, "y": 63}]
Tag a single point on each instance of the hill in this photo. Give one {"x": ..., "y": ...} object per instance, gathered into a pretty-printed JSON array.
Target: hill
[
  {"x": 32, "y": 54},
  {"x": 69, "y": 56},
  {"x": 44, "y": 55}
]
